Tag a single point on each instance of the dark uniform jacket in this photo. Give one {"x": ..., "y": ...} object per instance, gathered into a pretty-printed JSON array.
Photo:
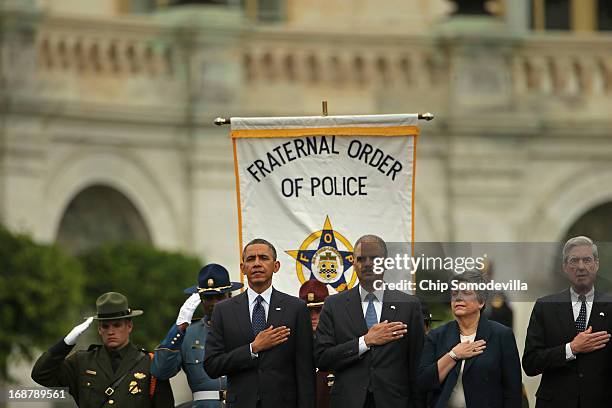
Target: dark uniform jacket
[
  {"x": 323, "y": 387},
  {"x": 87, "y": 374},
  {"x": 186, "y": 350},
  {"x": 587, "y": 380}
]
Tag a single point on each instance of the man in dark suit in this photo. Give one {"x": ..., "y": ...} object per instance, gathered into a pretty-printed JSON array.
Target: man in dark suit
[
  {"x": 568, "y": 335},
  {"x": 262, "y": 340},
  {"x": 371, "y": 338}
]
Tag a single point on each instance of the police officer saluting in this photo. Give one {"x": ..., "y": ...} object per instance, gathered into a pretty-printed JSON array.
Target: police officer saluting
[
  {"x": 115, "y": 374},
  {"x": 183, "y": 346}
]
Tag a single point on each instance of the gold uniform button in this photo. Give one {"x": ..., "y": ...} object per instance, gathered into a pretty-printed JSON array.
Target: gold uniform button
[{"x": 111, "y": 402}]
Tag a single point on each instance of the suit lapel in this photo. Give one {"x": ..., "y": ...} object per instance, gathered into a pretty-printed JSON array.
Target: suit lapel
[
  {"x": 450, "y": 340},
  {"x": 483, "y": 332},
  {"x": 242, "y": 316},
  {"x": 599, "y": 313},
  {"x": 355, "y": 312},
  {"x": 389, "y": 307},
  {"x": 276, "y": 309},
  {"x": 565, "y": 314}
]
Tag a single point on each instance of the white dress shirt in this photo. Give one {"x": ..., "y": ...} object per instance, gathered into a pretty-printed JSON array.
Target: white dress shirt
[
  {"x": 378, "y": 304},
  {"x": 252, "y": 295},
  {"x": 576, "y": 305}
]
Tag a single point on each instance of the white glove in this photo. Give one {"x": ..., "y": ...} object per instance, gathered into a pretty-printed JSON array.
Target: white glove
[
  {"x": 71, "y": 338},
  {"x": 188, "y": 309}
]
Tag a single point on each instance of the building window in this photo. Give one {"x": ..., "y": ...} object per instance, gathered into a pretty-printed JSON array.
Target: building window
[
  {"x": 604, "y": 15},
  {"x": 270, "y": 10},
  {"x": 575, "y": 15},
  {"x": 557, "y": 15},
  {"x": 550, "y": 14}
]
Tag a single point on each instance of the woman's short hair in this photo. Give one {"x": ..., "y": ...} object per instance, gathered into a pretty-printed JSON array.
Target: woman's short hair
[{"x": 479, "y": 281}]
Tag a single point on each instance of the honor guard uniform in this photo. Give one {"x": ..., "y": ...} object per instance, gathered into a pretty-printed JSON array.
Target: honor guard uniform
[
  {"x": 183, "y": 346},
  {"x": 314, "y": 292},
  {"x": 115, "y": 374}
]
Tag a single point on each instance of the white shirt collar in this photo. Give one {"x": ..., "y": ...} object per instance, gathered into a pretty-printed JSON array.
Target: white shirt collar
[
  {"x": 267, "y": 294},
  {"x": 378, "y": 293},
  {"x": 590, "y": 295}
]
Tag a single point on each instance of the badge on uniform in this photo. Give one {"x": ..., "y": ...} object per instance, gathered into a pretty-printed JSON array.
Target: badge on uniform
[
  {"x": 133, "y": 387},
  {"x": 140, "y": 376}
]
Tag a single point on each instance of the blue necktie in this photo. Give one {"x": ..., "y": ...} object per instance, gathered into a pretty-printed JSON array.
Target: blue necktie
[
  {"x": 370, "y": 316},
  {"x": 258, "y": 320},
  {"x": 581, "y": 320}
]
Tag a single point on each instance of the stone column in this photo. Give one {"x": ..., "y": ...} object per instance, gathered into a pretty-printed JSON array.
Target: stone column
[{"x": 517, "y": 15}]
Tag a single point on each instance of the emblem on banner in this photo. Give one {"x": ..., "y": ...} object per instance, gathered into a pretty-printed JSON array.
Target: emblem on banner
[{"x": 327, "y": 256}]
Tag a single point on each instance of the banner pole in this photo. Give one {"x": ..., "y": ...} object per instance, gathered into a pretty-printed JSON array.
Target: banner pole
[{"x": 220, "y": 121}]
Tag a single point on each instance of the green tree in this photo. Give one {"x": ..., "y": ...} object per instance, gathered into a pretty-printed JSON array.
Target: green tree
[
  {"x": 153, "y": 280},
  {"x": 41, "y": 296}
]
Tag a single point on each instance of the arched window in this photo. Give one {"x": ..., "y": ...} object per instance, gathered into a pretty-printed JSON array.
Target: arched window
[{"x": 97, "y": 215}]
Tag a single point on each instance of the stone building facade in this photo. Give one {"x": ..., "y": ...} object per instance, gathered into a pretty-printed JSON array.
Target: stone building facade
[{"x": 116, "y": 98}]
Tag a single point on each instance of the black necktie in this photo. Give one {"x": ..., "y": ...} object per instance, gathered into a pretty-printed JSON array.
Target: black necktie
[
  {"x": 581, "y": 320},
  {"x": 115, "y": 360},
  {"x": 258, "y": 320}
]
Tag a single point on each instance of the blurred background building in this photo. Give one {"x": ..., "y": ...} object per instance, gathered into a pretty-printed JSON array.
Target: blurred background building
[{"x": 106, "y": 110}]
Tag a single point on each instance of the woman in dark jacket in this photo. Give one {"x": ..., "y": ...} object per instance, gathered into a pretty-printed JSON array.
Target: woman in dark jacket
[{"x": 471, "y": 362}]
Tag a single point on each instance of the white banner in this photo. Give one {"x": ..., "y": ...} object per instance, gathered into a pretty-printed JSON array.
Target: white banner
[{"x": 313, "y": 185}]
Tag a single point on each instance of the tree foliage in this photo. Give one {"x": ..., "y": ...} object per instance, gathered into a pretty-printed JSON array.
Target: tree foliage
[
  {"x": 153, "y": 280},
  {"x": 41, "y": 291}
]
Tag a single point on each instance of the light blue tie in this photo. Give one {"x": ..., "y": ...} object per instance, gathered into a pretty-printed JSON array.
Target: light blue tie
[{"x": 370, "y": 316}]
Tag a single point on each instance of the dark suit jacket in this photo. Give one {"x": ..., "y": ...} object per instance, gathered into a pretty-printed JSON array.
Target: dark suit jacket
[
  {"x": 388, "y": 371},
  {"x": 282, "y": 376},
  {"x": 588, "y": 378},
  {"x": 490, "y": 380}
]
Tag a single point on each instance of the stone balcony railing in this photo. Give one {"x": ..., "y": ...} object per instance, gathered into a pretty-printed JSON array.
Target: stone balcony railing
[
  {"x": 564, "y": 65},
  {"x": 159, "y": 65},
  {"x": 539, "y": 64},
  {"x": 341, "y": 62},
  {"x": 79, "y": 54}
]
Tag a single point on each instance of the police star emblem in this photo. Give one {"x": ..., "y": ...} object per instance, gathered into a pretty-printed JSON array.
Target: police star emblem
[{"x": 327, "y": 256}]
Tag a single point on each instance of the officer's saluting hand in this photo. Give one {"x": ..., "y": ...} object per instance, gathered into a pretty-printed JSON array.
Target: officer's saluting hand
[{"x": 116, "y": 372}]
